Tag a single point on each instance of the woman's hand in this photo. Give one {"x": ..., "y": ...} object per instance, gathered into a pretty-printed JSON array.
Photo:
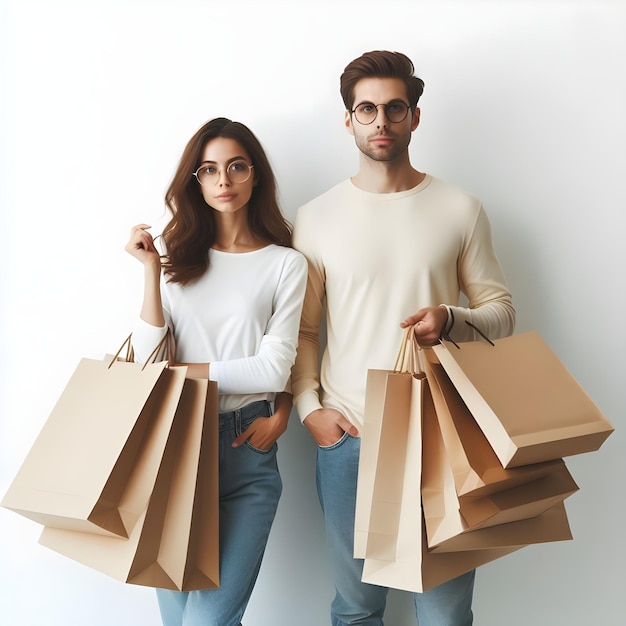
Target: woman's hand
[
  {"x": 141, "y": 245},
  {"x": 265, "y": 431}
]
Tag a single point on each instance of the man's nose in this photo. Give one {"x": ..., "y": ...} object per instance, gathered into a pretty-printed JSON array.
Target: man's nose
[{"x": 381, "y": 116}]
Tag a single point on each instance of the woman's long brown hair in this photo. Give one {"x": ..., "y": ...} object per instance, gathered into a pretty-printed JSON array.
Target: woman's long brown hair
[{"x": 192, "y": 230}]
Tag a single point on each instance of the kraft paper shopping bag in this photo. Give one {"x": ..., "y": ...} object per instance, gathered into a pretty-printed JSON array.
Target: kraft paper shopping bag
[
  {"x": 447, "y": 515},
  {"x": 77, "y": 471},
  {"x": 175, "y": 545},
  {"x": 392, "y": 403},
  {"x": 550, "y": 526},
  {"x": 194, "y": 563},
  {"x": 476, "y": 469},
  {"x": 383, "y": 441},
  {"x": 528, "y": 405}
]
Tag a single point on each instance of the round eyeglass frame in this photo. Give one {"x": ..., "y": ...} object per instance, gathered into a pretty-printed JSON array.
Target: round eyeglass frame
[
  {"x": 393, "y": 102},
  {"x": 228, "y": 173}
]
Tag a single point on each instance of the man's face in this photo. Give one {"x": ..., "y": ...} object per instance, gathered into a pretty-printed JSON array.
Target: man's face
[{"x": 382, "y": 140}]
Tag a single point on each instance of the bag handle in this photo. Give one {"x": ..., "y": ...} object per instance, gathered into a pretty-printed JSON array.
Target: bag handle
[
  {"x": 130, "y": 353},
  {"x": 446, "y": 336},
  {"x": 481, "y": 333},
  {"x": 409, "y": 355}
]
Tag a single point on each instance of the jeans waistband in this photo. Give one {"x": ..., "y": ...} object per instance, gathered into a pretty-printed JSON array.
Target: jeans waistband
[{"x": 254, "y": 409}]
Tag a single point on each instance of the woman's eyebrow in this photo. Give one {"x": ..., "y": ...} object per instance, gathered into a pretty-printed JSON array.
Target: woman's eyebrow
[{"x": 235, "y": 158}]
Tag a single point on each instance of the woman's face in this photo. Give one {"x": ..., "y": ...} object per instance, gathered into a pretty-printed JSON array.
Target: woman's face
[{"x": 224, "y": 166}]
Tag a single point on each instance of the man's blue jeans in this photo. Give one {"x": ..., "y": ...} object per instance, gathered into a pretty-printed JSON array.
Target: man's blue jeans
[
  {"x": 250, "y": 488},
  {"x": 356, "y": 602}
]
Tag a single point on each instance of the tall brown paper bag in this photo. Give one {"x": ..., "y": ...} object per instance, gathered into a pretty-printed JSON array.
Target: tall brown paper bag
[
  {"x": 76, "y": 473},
  {"x": 476, "y": 469},
  {"x": 528, "y": 405},
  {"x": 175, "y": 545}
]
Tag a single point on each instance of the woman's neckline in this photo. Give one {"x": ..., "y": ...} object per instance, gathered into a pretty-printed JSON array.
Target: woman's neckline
[{"x": 251, "y": 251}]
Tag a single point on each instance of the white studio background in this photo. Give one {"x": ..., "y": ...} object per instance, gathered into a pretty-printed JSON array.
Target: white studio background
[{"x": 524, "y": 106}]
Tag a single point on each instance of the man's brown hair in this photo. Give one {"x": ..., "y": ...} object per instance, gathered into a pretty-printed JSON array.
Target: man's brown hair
[{"x": 380, "y": 64}]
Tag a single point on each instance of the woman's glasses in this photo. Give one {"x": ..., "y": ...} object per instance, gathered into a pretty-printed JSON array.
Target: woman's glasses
[{"x": 237, "y": 172}]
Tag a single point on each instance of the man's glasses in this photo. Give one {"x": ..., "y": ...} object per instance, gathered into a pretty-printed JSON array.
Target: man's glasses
[
  {"x": 238, "y": 172},
  {"x": 395, "y": 111}
]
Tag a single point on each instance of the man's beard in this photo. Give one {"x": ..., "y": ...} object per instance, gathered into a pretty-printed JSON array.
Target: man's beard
[{"x": 390, "y": 153}]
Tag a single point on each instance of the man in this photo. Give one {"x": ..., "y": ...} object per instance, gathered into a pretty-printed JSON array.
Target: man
[{"x": 388, "y": 248}]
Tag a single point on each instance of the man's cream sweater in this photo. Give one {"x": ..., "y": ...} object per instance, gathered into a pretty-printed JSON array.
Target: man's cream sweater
[{"x": 374, "y": 259}]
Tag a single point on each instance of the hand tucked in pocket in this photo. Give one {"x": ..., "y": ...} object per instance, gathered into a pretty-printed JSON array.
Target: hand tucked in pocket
[{"x": 265, "y": 431}]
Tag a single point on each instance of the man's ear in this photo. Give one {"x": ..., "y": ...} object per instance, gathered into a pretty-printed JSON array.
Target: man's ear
[
  {"x": 348, "y": 122},
  {"x": 415, "y": 120}
]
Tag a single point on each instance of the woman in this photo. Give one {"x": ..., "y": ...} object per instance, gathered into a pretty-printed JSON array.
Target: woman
[{"x": 230, "y": 288}]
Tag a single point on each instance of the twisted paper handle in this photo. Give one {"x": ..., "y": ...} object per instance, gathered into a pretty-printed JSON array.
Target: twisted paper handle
[
  {"x": 409, "y": 356},
  {"x": 130, "y": 353}
]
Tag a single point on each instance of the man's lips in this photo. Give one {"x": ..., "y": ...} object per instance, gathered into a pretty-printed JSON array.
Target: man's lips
[{"x": 383, "y": 140}]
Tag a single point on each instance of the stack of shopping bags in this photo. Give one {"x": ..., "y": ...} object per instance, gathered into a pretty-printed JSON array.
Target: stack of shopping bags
[
  {"x": 462, "y": 457},
  {"x": 123, "y": 475}
]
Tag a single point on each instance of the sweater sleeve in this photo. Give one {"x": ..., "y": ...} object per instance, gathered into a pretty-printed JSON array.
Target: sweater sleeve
[
  {"x": 490, "y": 306},
  {"x": 269, "y": 369},
  {"x": 305, "y": 379},
  {"x": 146, "y": 337}
]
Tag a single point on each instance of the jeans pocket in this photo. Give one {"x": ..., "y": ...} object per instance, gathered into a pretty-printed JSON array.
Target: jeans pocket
[{"x": 337, "y": 444}]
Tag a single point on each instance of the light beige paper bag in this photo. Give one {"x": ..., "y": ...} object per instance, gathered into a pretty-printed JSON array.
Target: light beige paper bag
[
  {"x": 528, "y": 405},
  {"x": 447, "y": 516},
  {"x": 175, "y": 545},
  {"x": 78, "y": 469},
  {"x": 388, "y": 405},
  {"x": 476, "y": 469},
  {"x": 383, "y": 441}
]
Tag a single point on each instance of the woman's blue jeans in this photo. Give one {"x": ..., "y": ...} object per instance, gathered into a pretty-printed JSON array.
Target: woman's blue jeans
[
  {"x": 449, "y": 604},
  {"x": 250, "y": 488}
]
